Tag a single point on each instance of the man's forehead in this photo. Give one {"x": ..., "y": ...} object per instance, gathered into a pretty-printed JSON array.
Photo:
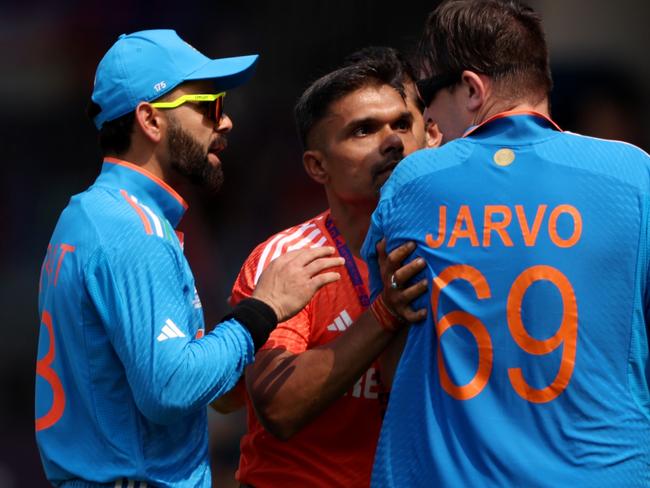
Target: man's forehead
[{"x": 367, "y": 101}]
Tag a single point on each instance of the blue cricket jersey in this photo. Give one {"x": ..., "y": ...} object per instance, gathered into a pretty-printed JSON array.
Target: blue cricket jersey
[
  {"x": 531, "y": 369},
  {"x": 124, "y": 371}
]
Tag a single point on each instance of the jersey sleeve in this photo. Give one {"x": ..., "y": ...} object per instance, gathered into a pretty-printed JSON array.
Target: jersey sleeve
[
  {"x": 141, "y": 292},
  {"x": 292, "y": 335}
]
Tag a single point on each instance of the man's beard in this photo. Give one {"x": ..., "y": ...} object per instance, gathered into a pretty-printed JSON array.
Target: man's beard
[{"x": 189, "y": 159}]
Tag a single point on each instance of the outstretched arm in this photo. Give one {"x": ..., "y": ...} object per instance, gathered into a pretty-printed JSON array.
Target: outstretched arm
[{"x": 288, "y": 390}]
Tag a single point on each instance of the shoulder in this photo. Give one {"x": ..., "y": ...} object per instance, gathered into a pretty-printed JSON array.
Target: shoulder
[
  {"x": 617, "y": 160},
  {"x": 597, "y": 144},
  {"x": 125, "y": 231},
  {"x": 424, "y": 162},
  {"x": 311, "y": 233}
]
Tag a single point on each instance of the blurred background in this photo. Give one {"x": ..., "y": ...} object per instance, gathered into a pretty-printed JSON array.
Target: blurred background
[{"x": 601, "y": 67}]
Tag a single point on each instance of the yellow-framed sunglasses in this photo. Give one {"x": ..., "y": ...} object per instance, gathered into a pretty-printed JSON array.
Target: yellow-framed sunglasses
[{"x": 212, "y": 102}]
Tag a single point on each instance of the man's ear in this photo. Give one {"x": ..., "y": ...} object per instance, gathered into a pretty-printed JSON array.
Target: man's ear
[
  {"x": 149, "y": 121},
  {"x": 313, "y": 161},
  {"x": 477, "y": 88},
  {"x": 432, "y": 134}
]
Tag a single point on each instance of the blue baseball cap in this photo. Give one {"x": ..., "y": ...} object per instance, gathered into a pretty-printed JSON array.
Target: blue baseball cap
[{"x": 143, "y": 66}]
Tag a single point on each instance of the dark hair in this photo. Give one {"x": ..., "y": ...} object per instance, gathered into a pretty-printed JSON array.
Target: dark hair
[
  {"x": 503, "y": 39},
  {"x": 387, "y": 56},
  {"x": 115, "y": 135},
  {"x": 367, "y": 67}
]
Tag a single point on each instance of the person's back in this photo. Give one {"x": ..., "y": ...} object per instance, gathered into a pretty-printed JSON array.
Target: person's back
[
  {"x": 531, "y": 369},
  {"x": 538, "y": 255}
]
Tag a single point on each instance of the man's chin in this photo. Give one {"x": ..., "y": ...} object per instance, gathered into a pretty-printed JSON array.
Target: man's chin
[
  {"x": 213, "y": 160},
  {"x": 382, "y": 177},
  {"x": 213, "y": 181}
]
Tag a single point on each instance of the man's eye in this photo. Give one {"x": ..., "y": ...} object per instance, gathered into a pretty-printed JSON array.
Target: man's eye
[
  {"x": 403, "y": 124},
  {"x": 361, "y": 131}
]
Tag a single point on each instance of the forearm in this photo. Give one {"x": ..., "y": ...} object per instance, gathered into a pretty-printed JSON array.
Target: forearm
[
  {"x": 290, "y": 390},
  {"x": 200, "y": 371}
]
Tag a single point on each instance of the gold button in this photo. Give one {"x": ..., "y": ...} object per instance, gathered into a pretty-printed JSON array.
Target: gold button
[{"x": 504, "y": 157}]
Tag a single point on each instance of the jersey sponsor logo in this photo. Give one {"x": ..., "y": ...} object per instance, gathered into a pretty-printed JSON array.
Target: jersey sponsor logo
[
  {"x": 307, "y": 234},
  {"x": 170, "y": 331},
  {"x": 341, "y": 322},
  {"x": 563, "y": 225}
]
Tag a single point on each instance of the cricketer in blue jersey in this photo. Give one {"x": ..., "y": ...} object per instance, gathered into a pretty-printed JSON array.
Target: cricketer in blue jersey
[
  {"x": 125, "y": 369},
  {"x": 531, "y": 368}
]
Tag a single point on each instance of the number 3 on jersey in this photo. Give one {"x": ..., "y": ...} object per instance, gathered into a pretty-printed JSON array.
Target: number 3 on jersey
[
  {"x": 44, "y": 370},
  {"x": 566, "y": 335}
]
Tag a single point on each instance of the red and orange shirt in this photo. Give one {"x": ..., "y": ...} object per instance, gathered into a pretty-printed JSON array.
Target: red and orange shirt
[{"x": 337, "y": 448}]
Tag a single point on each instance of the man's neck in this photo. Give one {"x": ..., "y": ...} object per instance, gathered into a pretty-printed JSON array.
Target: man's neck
[
  {"x": 499, "y": 106},
  {"x": 352, "y": 221}
]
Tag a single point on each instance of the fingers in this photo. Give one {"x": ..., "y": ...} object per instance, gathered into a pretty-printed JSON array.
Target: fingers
[
  {"x": 303, "y": 257},
  {"x": 412, "y": 317},
  {"x": 399, "y": 254},
  {"x": 409, "y": 294},
  {"x": 320, "y": 264},
  {"x": 323, "y": 279},
  {"x": 408, "y": 271},
  {"x": 381, "y": 249}
]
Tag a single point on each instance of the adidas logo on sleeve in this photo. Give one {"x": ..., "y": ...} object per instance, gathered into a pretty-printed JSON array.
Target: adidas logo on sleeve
[{"x": 170, "y": 331}]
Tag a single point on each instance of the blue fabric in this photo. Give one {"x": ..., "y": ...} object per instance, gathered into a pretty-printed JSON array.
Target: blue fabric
[
  {"x": 135, "y": 387},
  {"x": 144, "y": 65},
  {"x": 594, "y": 429}
]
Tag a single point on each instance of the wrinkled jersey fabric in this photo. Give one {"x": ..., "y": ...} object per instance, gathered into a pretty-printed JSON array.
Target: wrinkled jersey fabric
[
  {"x": 531, "y": 368},
  {"x": 336, "y": 449},
  {"x": 124, "y": 370}
]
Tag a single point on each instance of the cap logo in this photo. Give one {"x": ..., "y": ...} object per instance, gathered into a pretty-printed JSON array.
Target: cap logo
[{"x": 160, "y": 86}]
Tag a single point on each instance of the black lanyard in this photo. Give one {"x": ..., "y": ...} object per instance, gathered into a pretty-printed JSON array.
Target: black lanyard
[{"x": 350, "y": 265}]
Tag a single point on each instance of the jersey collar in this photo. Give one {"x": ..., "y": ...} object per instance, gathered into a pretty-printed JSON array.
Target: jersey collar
[
  {"x": 515, "y": 126},
  {"x": 145, "y": 186}
]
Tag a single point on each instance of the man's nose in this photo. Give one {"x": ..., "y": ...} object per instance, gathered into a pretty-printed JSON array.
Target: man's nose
[
  {"x": 224, "y": 125},
  {"x": 392, "y": 142}
]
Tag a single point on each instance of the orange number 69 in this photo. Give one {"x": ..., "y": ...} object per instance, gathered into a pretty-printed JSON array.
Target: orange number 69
[{"x": 566, "y": 335}]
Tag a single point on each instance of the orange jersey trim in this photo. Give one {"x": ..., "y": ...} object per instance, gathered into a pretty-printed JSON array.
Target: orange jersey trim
[
  {"x": 149, "y": 175},
  {"x": 508, "y": 114},
  {"x": 145, "y": 222}
]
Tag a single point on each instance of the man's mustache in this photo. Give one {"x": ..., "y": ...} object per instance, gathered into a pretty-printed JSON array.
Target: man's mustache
[{"x": 387, "y": 164}]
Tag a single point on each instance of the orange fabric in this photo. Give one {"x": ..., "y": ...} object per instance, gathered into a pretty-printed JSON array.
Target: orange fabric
[
  {"x": 138, "y": 210},
  {"x": 44, "y": 369},
  {"x": 149, "y": 175},
  {"x": 336, "y": 449},
  {"x": 508, "y": 114}
]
